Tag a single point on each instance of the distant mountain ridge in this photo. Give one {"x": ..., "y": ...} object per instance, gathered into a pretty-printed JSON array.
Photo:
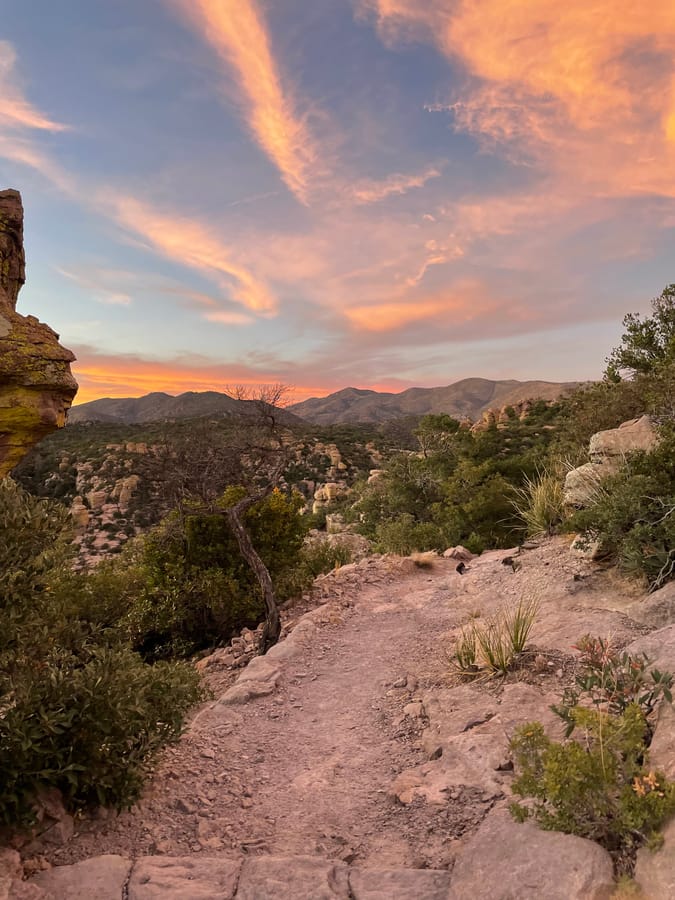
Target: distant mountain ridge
[
  {"x": 467, "y": 398},
  {"x": 158, "y": 407}
]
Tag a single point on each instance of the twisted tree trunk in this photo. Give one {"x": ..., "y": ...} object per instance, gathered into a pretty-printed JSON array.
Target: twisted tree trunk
[{"x": 272, "y": 628}]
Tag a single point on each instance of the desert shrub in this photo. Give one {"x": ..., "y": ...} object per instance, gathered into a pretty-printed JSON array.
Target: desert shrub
[
  {"x": 634, "y": 516},
  {"x": 79, "y": 710},
  {"x": 597, "y": 787},
  {"x": 598, "y": 784},
  {"x": 405, "y": 536},
  {"x": 321, "y": 556},
  {"x": 613, "y": 680},
  {"x": 88, "y": 724}
]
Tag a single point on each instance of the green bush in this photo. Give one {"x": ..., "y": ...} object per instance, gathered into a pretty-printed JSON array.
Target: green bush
[
  {"x": 79, "y": 710},
  {"x": 596, "y": 788},
  {"x": 193, "y": 589},
  {"x": 320, "y": 557},
  {"x": 634, "y": 515},
  {"x": 599, "y": 784}
]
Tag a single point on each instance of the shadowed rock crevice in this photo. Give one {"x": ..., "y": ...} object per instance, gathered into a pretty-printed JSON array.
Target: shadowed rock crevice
[{"x": 36, "y": 384}]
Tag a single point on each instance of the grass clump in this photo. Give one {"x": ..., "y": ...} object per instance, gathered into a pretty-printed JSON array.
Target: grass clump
[
  {"x": 539, "y": 503},
  {"x": 494, "y": 647}
]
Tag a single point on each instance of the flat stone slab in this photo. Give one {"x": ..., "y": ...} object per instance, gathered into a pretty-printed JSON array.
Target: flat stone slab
[
  {"x": 98, "y": 878},
  {"x": 399, "y": 884},
  {"x": 293, "y": 878},
  {"x": 183, "y": 878}
]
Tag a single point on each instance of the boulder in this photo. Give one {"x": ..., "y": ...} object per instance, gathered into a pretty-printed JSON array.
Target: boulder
[
  {"x": 617, "y": 443},
  {"x": 504, "y": 860},
  {"x": 655, "y": 872},
  {"x": 659, "y": 646},
  {"x": 36, "y": 384},
  {"x": 608, "y": 451},
  {"x": 655, "y": 610}
]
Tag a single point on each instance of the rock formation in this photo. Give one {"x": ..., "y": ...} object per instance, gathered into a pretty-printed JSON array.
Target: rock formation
[
  {"x": 608, "y": 451},
  {"x": 36, "y": 384}
]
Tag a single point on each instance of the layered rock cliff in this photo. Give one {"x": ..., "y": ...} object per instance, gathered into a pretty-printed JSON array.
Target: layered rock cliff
[{"x": 36, "y": 384}]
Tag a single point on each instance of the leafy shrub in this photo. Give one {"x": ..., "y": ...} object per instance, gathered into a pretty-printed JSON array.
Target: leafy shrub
[
  {"x": 599, "y": 784},
  {"x": 88, "y": 725},
  {"x": 320, "y": 557},
  {"x": 79, "y": 710},
  {"x": 597, "y": 788},
  {"x": 613, "y": 680},
  {"x": 194, "y": 589}
]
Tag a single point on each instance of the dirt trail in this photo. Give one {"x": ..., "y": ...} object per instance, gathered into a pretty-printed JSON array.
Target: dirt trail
[{"x": 308, "y": 769}]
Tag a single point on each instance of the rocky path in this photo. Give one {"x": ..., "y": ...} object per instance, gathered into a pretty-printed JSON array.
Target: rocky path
[{"x": 349, "y": 763}]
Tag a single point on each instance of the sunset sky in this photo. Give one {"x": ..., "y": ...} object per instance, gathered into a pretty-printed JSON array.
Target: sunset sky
[{"x": 377, "y": 193}]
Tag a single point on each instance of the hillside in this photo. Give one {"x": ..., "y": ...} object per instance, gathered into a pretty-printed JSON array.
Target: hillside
[
  {"x": 468, "y": 398},
  {"x": 158, "y": 407}
]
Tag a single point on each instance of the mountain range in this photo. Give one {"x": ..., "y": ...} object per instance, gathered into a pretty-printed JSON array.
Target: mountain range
[{"x": 467, "y": 398}]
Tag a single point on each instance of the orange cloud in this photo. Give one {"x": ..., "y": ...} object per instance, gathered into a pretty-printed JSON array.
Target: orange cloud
[
  {"x": 370, "y": 191},
  {"x": 583, "y": 89},
  {"x": 467, "y": 301},
  {"x": 238, "y": 34},
  {"x": 15, "y": 110},
  {"x": 191, "y": 244}
]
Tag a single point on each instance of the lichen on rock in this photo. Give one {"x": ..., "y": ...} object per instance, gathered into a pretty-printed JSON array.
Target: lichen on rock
[{"x": 36, "y": 384}]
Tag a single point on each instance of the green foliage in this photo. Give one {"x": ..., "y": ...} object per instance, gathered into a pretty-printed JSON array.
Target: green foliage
[
  {"x": 648, "y": 343},
  {"x": 79, "y": 710},
  {"x": 320, "y": 557},
  {"x": 597, "y": 787},
  {"x": 613, "y": 681},
  {"x": 634, "y": 514},
  {"x": 193, "y": 589},
  {"x": 459, "y": 488}
]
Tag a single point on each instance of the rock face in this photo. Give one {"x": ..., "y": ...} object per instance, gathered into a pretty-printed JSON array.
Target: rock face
[
  {"x": 36, "y": 384},
  {"x": 608, "y": 450}
]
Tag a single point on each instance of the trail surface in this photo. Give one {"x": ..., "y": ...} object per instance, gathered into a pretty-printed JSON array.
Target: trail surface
[{"x": 352, "y": 745}]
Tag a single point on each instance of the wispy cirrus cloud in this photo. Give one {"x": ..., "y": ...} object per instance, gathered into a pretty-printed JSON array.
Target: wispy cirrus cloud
[
  {"x": 586, "y": 91},
  {"x": 372, "y": 191},
  {"x": 20, "y": 120},
  {"x": 239, "y": 35},
  {"x": 191, "y": 243},
  {"x": 16, "y": 112}
]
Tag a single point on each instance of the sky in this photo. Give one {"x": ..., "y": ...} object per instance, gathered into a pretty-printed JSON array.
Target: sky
[{"x": 332, "y": 193}]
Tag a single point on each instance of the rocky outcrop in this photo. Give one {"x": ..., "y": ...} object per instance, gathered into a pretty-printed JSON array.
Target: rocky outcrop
[
  {"x": 608, "y": 451},
  {"x": 36, "y": 384}
]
